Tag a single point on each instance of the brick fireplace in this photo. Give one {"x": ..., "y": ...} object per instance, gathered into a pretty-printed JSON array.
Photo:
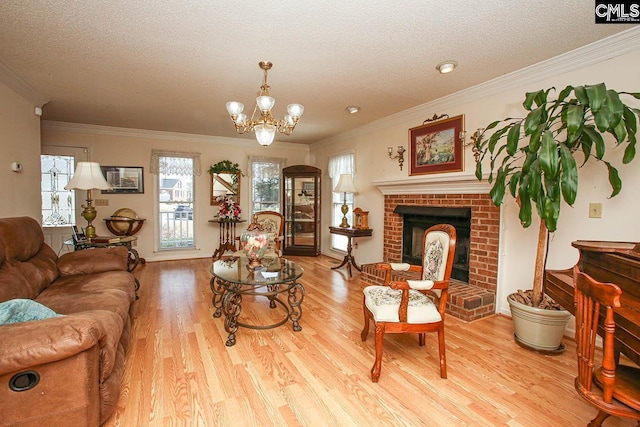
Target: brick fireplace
[{"x": 468, "y": 301}]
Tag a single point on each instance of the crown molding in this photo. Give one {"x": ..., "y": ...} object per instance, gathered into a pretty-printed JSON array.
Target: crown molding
[
  {"x": 162, "y": 135},
  {"x": 21, "y": 87},
  {"x": 611, "y": 47}
]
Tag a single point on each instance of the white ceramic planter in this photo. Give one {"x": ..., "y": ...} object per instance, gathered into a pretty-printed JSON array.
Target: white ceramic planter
[{"x": 538, "y": 328}]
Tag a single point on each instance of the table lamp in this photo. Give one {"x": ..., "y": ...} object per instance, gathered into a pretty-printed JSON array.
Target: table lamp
[
  {"x": 345, "y": 185},
  {"x": 88, "y": 176}
]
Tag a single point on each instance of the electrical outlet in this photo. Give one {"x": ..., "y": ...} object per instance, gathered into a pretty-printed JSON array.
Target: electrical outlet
[
  {"x": 595, "y": 210},
  {"x": 101, "y": 202}
]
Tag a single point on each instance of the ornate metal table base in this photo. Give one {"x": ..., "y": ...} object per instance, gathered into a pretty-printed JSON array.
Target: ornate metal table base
[{"x": 227, "y": 300}]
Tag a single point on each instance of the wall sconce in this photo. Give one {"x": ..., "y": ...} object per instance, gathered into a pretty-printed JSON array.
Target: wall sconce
[
  {"x": 399, "y": 156},
  {"x": 476, "y": 139}
]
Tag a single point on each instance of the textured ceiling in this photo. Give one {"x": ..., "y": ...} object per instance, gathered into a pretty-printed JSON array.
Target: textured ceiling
[{"x": 172, "y": 65}]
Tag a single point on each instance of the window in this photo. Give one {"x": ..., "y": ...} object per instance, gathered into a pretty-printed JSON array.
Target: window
[
  {"x": 266, "y": 181},
  {"x": 175, "y": 192},
  {"x": 339, "y": 164},
  {"x": 58, "y": 204}
]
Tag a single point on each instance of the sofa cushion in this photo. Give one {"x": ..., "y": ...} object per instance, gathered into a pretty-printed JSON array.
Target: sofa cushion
[
  {"x": 113, "y": 291},
  {"x": 23, "y": 310},
  {"x": 22, "y": 237},
  {"x": 14, "y": 285}
]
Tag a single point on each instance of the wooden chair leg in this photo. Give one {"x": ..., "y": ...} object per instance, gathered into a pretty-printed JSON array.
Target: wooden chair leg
[
  {"x": 377, "y": 365},
  {"x": 442, "y": 351},
  {"x": 421, "y": 339},
  {"x": 365, "y": 329},
  {"x": 599, "y": 419}
]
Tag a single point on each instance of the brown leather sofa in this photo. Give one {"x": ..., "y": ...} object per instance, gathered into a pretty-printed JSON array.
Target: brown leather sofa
[{"x": 64, "y": 370}]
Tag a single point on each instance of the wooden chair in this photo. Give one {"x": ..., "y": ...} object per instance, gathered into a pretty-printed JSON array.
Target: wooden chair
[
  {"x": 407, "y": 306},
  {"x": 272, "y": 222},
  {"x": 612, "y": 388}
]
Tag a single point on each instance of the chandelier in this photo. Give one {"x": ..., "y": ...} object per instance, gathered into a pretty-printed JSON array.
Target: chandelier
[{"x": 266, "y": 125}]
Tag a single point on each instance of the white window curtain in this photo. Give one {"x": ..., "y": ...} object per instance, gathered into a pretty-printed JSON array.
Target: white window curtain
[
  {"x": 338, "y": 164},
  {"x": 191, "y": 165}
]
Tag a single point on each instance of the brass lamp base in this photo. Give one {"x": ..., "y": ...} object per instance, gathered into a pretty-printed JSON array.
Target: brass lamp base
[
  {"x": 344, "y": 223},
  {"x": 89, "y": 214}
]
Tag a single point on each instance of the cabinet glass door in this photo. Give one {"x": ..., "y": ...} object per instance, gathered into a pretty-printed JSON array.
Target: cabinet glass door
[{"x": 301, "y": 211}]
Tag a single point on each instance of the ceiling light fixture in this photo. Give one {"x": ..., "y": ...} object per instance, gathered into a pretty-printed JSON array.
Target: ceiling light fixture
[
  {"x": 446, "y": 66},
  {"x": 265, "y": 126},
  {"x": 352, "y": 109}
]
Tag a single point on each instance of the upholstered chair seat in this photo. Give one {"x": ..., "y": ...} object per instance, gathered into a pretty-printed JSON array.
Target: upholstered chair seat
[{"x": 384, "y": 304}]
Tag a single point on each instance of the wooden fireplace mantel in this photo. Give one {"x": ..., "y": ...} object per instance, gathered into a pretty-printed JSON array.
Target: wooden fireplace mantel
[{"x": 434, "y": 184}]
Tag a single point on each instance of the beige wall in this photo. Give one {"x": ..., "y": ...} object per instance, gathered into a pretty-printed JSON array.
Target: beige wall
[
  {"x": 19, "y": 142},
  {"x": 129, "y": 147},
  {"x": 481, "y": 105}
]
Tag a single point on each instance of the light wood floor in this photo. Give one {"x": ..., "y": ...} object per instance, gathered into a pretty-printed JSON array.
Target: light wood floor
[{"x": 179, "y": 371}]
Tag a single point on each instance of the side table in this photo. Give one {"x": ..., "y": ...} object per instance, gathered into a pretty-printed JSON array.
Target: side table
[
  {"x": 350, "y": 232},
  {"x": 227, "y": 236}
]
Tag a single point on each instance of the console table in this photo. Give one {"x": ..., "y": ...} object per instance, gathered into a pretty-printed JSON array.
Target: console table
[
  {"x": 227, "y": 236},
  {"x": 351, "y": 233}
]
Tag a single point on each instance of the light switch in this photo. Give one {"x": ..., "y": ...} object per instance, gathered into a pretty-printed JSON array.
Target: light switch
[{"x": 595, "y": 210}]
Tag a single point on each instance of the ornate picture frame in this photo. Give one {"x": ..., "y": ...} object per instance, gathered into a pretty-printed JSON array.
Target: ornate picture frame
[
  {"x": 436, "y": 147},
  {"x": 123, "y": 179}
]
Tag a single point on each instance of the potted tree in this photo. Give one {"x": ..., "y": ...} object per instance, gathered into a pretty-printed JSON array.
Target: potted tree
[{"x": 536, "y": 159}]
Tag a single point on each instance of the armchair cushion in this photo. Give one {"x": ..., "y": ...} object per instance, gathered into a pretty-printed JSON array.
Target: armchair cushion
[
  {"x": 23, "y": 310},
  {"x": 384, "y": 303},
  {"x": 403, "y": 266},
  {"x": 421, "y": 285}
]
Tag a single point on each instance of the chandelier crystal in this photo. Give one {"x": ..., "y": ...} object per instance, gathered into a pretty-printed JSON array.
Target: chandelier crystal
[{"x": 265, "y": 126}]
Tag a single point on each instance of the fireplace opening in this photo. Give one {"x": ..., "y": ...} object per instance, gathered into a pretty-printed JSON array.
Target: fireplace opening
[{"x": 417, "y": 219}]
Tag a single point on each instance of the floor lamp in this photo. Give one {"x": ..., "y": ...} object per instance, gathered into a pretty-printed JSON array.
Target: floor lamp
[
  {"x": 88, "y": 176},
  {"x": 345, "y": 185}
]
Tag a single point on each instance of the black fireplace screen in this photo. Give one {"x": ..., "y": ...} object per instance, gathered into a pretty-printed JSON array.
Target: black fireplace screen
[{"x": 417, "y": 219}]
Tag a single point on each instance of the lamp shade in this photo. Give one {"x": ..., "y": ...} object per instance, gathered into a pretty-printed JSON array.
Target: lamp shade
[
  {"x": 87, "y": 176},
  {"x": 265, "y": 134},
  {"x": 345, "y": 184}
]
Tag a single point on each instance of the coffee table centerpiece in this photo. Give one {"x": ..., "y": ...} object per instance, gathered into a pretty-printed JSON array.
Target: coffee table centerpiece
[{"x": 254, "y": 243}]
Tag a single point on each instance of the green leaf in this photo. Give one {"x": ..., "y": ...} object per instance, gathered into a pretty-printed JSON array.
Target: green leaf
[
  {"x": 630, "y": 150},
  {"x": 535, "y": 179},
  {"x": 615, "y": 106},
  {"x": 512, "y": 138},
  {"x": 551, "y": 214},
  {"x": 564, "y": 93},
  {"x": 530, "y": 98},
  {"x": 596, "y": 94},
  {"x": 534, "y": 140},
  {"x": 596, "y": 137},
  {"x": 513, "y": 183},
  {"x": 630, "y": 120},
  {"x": 569, "y": 176},
  {"x": 479, "y": 171},
  {"x": 574, "y": 118},
  {"x": 525, "y": 209},
  {"x": 581, "y": 95},
  {"x": 549, "y": 155},
  {"x": 498, "y": 189},
  {"x": 533, "y": 119},
  {"x": 603, "y": 117},
  {"x": 492, "y": 125},
  {"x": 614, "y": 180},
  {"x": 620, "y": 132}
]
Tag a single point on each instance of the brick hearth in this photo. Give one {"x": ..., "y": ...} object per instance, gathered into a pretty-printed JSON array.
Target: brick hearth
[{"x": 468, "y": 301}]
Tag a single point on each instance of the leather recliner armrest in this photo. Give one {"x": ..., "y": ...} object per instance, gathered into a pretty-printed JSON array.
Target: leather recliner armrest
[
  {"x": 91, "y": 261},
  {"x": 34, "y": 343}
]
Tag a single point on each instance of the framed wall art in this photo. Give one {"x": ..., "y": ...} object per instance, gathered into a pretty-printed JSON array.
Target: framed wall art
[
  {"x": 123, "y": 179},
  {"x": 436, "y": 147}
]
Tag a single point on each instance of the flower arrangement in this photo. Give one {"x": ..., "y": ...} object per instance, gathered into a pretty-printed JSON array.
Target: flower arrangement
[
  {"x": 229, "y": 209},
  {"x": 254, "y": 243}
]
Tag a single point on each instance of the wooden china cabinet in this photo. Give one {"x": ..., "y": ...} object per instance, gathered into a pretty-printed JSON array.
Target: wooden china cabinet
[{"x": 301, "y": 209}]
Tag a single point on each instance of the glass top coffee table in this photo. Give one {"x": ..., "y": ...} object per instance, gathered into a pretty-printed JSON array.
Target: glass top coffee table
[{"x": 232, "y": 279}]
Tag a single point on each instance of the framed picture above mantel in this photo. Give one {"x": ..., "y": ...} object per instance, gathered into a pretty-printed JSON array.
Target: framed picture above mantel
[
  {"x": 123, "y": 179},
  {"x": 436, "y": 147}
]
